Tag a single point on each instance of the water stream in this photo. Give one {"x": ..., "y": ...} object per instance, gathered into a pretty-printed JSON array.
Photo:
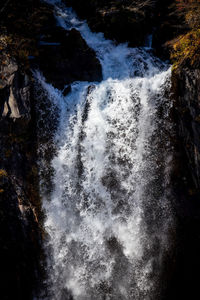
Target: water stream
[{"x": 108, "y": 215}]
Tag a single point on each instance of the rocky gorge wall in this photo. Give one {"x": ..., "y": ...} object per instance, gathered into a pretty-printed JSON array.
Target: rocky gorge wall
[
  {"x": 19, "y": 198},
  {"x": 29, "y": 39},
  {"x": 186, "y": 97},
  {"x": 186, "y": 88}
]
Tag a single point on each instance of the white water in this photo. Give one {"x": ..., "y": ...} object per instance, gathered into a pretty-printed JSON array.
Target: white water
[{"x": 108, "y": 217}]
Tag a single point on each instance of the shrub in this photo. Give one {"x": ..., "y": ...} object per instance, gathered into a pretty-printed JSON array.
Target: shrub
[{"x": 3, "y": 173}]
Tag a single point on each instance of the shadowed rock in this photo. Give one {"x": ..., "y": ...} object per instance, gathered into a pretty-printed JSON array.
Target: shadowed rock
[{"x": 65, "y": 57}]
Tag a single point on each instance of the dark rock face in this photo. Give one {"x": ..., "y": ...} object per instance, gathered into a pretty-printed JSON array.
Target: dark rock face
[
  {"x": 19, "y": 241},
  {"x": 168, "y": 25},
  {"x": 20, "y": 233},
  {"x": 65, "y": 57},
  {"x": 186, "y": 88},
  {"x": 184, "y": 284},
  {"x": 183, "y": 281}
]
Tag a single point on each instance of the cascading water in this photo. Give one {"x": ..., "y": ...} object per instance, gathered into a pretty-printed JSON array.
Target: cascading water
[{"x": 108, "y": 217}]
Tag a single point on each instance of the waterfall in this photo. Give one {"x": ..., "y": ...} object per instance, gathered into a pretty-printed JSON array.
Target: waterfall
[{"x": 108, "y": 211}]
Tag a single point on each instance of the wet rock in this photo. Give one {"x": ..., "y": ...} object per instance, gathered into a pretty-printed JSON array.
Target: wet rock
[
  {"x": 65, "y": 57},
  {"x": 186, "y": 88},
  {"x": 67, "y": 90},
  {"x": 20, "y": 234}
]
